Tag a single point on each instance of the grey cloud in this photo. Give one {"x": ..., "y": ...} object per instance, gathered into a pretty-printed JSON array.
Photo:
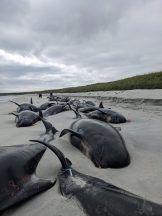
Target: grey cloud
[
  {"x": 77, "y": 18},
  {"x": 15, "y": 69},
  {"x": 93, "y": 41},
  {"x": 12, "y": 11}
]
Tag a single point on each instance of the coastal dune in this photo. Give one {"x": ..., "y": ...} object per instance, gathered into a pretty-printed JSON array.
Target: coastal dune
[{"x": 143, "y": 137}]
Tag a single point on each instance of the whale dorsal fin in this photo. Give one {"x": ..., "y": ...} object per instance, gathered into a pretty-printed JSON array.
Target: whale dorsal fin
[
  {"x": 65, "y": 131},
  {"x": 101, "y": 105}
]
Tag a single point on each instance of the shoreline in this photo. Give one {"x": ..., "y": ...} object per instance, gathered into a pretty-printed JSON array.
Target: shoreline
[{"x": 151, "y": 97}]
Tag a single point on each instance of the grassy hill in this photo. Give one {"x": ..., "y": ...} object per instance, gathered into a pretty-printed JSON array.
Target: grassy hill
[{"x": 147, "y": 81}]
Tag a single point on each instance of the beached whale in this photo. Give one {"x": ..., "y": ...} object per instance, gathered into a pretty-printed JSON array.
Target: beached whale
[
  {"x": 53, "y": 110},
  {"x": 91, "y": 103},
  {"x": 99, "y": 115},
  {"x": 18, "y": 181},
  {"x": 27, "y": 118},
  {"x": 46, "y": 105},
  {"x": 97, "y": 197},
  {"x": 115, "y": 117},
  {"x": 26, "y": 106},
  {"x": 100, "y": 142},
  {"x": 64, "y": 99},
  {"x": 103, "y": 114},
  {"x": 108, "y": 116},
  {"x": 86, "y": 108}
]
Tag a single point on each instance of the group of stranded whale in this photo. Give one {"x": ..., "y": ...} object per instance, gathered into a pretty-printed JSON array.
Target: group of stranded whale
[{"x": 91, "y": 133}]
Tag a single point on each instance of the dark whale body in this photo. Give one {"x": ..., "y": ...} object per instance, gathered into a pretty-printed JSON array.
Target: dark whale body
[
  {"x": 91, "y": 103},
  {"x": 99, "y": 141},
  {"x": 25, "y": 106},
  {"x": 26, "y": 118},
  {"x": 53, "y": 110},
  {"x": 46, "y": 105},
  {"x": 18, "y": 181},
  {"x": 115, "y": 116},
  {"x": 87, "y": 109},
  {"x": 64, "y": 99},
  {"x": 99, "y": 115},
  {"x": 99, "y": 198},
  {"x": 106, "y": 115}
]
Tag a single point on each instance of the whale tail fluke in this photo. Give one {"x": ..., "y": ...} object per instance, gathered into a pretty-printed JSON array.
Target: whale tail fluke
[
  {"x": 15, "y": 114},
  {"x": 49, "y": 127},
  {"x": 15, "y": 103},
  {"x": 78, "y": 115}
]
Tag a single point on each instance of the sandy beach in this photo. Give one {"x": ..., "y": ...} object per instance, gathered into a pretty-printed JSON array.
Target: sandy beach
[{"x": 143, "y": 137}]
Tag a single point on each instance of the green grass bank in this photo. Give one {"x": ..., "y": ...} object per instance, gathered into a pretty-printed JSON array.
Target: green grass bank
[{"x": 147, "y": 81}]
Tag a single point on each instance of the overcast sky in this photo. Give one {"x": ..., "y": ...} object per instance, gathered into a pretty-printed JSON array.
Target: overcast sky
[{"x": 48, "y": 44}]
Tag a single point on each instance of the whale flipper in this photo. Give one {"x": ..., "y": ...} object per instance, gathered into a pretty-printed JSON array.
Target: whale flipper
[{"x": 18, "y": 181}]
